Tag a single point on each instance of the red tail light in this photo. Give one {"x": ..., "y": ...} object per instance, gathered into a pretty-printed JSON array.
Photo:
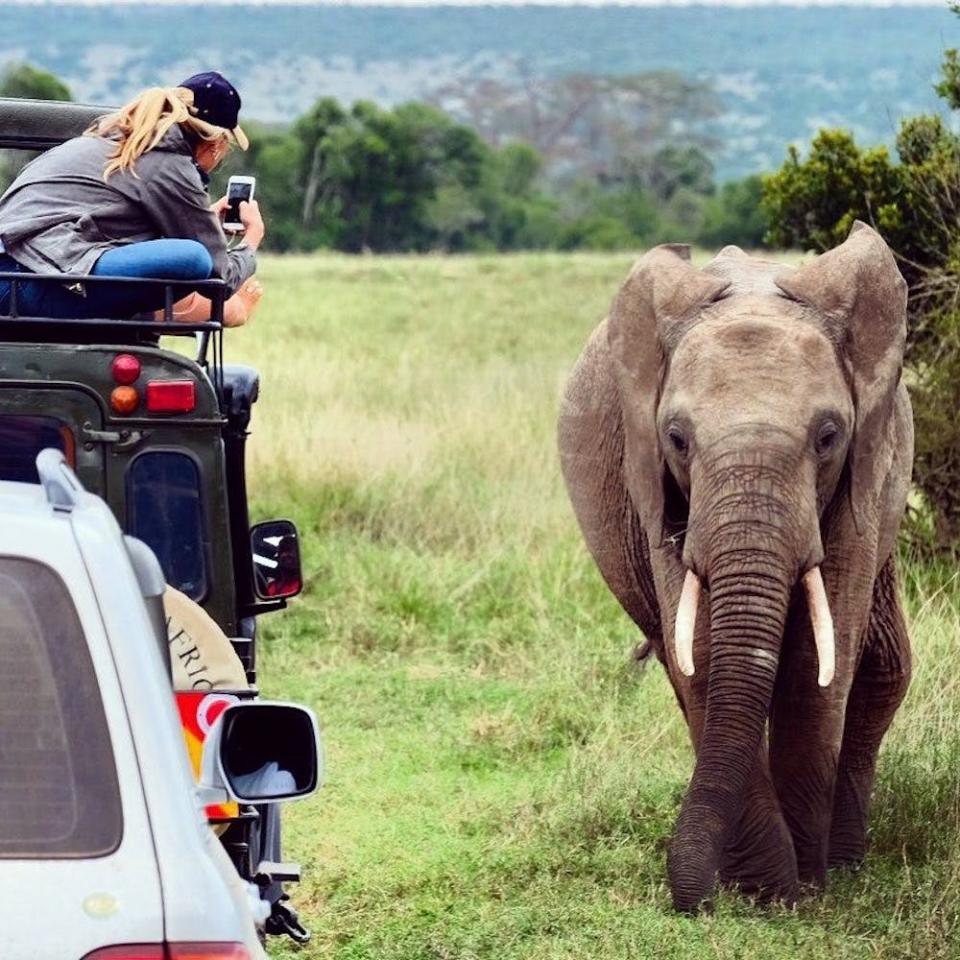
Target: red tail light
[
  {"x": 125, "y": 368},
  {"x": 171, "y": 396},
  {"x": 207, "y": 951},
  {"x": 173, "y": 951}
]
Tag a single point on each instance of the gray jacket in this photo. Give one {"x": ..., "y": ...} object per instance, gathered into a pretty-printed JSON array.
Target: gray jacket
[{"x": 59, "y": 215}]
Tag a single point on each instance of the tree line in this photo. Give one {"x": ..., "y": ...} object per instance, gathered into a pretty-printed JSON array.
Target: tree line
[{"x": 575, "y": 162}]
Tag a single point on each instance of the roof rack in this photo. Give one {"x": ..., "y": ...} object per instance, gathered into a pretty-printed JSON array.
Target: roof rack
[{"x": 214, "y": 290}]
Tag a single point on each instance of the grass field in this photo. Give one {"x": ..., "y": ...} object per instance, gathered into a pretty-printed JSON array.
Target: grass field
[{"x": 501, "y": 781}]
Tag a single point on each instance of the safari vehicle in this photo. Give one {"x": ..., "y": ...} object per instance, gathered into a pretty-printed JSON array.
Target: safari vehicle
[
  {"x": 104, "y": 850},
  {"x": 160, "y": 435}
]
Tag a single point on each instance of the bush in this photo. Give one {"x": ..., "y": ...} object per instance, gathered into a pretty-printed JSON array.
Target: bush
[{"x": 812, "y": 203}]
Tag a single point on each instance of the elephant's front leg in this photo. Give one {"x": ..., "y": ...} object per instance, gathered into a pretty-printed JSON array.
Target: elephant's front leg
[
  {"x": 806, "y": 728},
  {"x": 759, "y": 858},
  {"x": 878, "y": 689}
]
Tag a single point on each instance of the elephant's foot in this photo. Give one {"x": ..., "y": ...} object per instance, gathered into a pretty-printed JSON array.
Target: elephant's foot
[
  {"x": 846, "y": 859},
  {"x": 760, "y": 861},
  {"x": 759, "y": 887},
  {"x": 812, "y": 863}
]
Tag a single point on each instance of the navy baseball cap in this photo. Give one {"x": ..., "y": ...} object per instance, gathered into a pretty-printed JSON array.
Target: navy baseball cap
[{"x": 216, "y": 101}]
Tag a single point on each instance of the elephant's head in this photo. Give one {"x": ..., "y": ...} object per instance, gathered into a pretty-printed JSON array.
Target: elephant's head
[{"x": 755, "y": 402}]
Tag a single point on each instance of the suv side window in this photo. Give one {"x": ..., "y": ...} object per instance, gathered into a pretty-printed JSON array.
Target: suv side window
[
  {"x": 164, "y": 511},
  {"x": 59, "y": 795}
]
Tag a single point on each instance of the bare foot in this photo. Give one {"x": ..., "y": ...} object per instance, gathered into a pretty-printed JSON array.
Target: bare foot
[
  {"x": 240, "y": 307},
  {"x": 236, "y": 311},
  {"x": 191, "y": 309}
]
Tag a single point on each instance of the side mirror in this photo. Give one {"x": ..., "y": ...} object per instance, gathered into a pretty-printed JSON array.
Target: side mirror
[
  {"x": 261, "y": 752},
  {"x": 276, "y": 559}
]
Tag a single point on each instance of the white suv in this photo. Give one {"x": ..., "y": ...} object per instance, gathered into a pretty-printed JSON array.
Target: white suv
[{"x": 105, "y": 853}]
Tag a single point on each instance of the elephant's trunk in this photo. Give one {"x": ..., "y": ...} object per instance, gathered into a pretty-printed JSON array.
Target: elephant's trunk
[{"x": 750, "y": 586}]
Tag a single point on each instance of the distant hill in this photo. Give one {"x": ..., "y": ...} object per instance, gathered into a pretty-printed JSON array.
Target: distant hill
[{"x": 782, "y": 71}]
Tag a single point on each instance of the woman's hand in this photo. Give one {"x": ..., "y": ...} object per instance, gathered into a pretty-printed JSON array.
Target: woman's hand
[
  {"x": 220, "y": 207},
  {"x": 252, "y": 223}
]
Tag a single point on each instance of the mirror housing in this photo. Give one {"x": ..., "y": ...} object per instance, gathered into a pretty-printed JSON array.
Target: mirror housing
[
  {"x": 261, "y": 752},
  {"x": 276, "y": 560}
]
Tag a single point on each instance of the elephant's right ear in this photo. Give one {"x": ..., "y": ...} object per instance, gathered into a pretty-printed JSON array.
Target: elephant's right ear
[{"x": 662, "y": 295}]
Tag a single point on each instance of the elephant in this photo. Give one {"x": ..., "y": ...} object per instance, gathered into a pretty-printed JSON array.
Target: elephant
[{"x": 737, "y": 444}]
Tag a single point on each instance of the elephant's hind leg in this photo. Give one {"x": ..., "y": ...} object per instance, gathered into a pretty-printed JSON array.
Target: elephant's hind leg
[{"x": 878, "y": 689}]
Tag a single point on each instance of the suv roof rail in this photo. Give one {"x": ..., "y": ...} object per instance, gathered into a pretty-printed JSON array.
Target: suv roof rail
[
  {"x": 58, "y": 480},
  {"x": 41, "y": 124}
]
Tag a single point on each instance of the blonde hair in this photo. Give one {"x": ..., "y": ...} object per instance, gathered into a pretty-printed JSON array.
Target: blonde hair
[{"x": 144, "y": 121}]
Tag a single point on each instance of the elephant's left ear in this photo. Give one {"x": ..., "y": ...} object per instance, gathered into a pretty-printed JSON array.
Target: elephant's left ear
[{"x": 862, "y": 297}]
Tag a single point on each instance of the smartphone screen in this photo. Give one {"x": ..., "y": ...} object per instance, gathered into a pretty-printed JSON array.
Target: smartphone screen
[{"x": 237, "y": 193}]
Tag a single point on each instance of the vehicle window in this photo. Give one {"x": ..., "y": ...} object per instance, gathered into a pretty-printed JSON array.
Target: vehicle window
[
  {"x": 59, "y": 795},
  {"x": 164, "y": 510},
  {"x": 22, "y": 437}
]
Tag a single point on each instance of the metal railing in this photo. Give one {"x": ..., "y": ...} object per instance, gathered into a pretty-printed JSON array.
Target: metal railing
[{"x": 18, "y": 327}]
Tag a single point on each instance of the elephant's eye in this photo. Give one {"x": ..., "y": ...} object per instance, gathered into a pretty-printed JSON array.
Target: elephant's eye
[
  {"x": 828, "y": 437},
  {"x": 677, "y": 440}
]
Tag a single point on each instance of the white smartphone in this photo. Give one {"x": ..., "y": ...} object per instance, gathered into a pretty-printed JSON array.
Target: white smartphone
[{"x": 239, "y": 189}]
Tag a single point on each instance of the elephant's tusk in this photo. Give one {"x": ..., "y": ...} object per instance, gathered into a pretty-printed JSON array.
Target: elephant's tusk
[
  {"x": 686, "y": 622},
  {"x": 822, "y": 623}
]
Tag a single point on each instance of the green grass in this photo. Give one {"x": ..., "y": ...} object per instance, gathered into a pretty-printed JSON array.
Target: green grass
[{"x": 501, "y": 780}]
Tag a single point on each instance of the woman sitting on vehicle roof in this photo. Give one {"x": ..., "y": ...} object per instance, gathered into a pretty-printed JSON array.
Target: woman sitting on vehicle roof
[{"x": 128, "y": 199}]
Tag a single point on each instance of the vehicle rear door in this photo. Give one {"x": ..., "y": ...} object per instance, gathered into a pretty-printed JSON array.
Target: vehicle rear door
[{"x": 34, "y": 416}]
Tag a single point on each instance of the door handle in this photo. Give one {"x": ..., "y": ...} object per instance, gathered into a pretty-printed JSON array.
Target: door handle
[{"x": 121, "y": 439}]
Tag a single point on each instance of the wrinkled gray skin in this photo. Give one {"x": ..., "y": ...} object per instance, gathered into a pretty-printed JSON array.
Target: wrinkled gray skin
[{"x": 748, "y": 422}]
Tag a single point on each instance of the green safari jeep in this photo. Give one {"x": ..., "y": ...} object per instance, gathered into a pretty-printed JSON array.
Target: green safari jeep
[{"x": 160, "y": 434}]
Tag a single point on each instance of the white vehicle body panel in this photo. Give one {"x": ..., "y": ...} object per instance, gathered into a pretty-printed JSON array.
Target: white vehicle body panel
[{"x": 170, "y": 878}]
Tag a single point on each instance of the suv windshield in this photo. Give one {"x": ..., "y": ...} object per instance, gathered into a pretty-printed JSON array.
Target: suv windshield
[{"x": 59, "y": 795}]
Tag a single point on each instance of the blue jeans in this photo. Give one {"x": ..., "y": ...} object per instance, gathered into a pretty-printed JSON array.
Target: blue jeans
[{"x": 168, "y": 259}]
